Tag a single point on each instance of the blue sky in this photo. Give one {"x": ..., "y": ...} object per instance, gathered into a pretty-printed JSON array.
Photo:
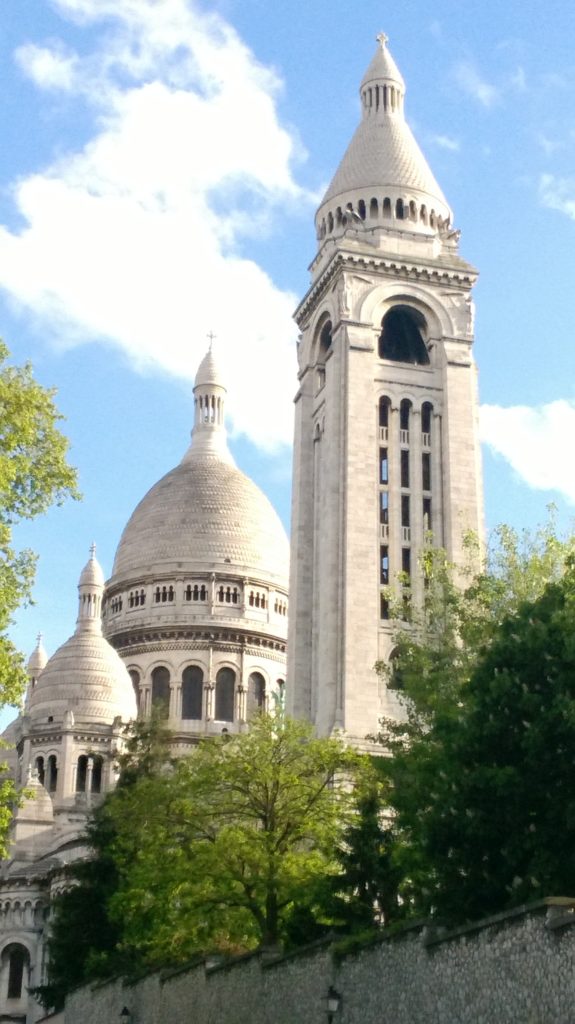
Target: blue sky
[{"x": 161, "y": 164}]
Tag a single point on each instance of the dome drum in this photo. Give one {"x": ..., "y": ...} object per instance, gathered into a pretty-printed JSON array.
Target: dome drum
[{"x": 188, "y": 600}]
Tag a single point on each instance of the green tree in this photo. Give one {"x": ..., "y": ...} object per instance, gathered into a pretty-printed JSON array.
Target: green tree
[
  {"x": 486, "y": 798},
  {"x": 215, "y": 853},
  {"x": 86, "y": 941},
  {"x": 463, "y": 609},
  {"x": 33, "y": 475}
]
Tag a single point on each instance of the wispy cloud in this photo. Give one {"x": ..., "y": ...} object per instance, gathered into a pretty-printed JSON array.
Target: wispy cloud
[
  {"x": 532, "y": 440},
  {"x": 137, "y": 237},
  {"x": 558, "y": 194},
  {"x": 470, "y": 81},
  {"x": 519, "y": 79},
  {"x": 445, "y": 142},
  {"x": 549, "y": 146}
]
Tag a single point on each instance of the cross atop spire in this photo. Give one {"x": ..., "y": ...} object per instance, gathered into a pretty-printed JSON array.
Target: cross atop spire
[
  {"x": 382, "y": 39},
  {"x": 211, "y": 336},
  {"x": 93, "y": 549}
]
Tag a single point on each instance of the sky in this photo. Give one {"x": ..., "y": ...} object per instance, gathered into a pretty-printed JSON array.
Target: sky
[{"x": 161, "y": 163}]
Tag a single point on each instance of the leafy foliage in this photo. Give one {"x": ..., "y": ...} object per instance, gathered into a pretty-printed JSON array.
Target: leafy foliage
[
  {"x": 33, "y": 475},
  {"x": 462, "y": 613},
  {"x": 228, "y": 840},
  {"x": 85, "y": 941},
  {"x": 204, "y": 853},
  {"x": 475, "y": 765}
]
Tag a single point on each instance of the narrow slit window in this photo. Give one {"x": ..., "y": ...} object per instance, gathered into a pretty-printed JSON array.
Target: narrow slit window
[
  {"x": 383, "y": 466},
  {"x": 404, "y": 467},
  {"x": 384, "y": 559},
  {"x": 426, "y": 471}
]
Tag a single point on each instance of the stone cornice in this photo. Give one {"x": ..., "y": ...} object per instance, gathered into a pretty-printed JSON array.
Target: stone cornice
[
  {"x": 442, "y": 271},
  {"x": 146, "y": 642}
]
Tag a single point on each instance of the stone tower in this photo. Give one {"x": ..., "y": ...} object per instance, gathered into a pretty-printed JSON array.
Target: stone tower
[{"x": 386, "y": 456}]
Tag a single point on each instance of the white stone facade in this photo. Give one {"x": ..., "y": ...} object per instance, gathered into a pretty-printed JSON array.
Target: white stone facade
[{"x": 386, "y": 456}]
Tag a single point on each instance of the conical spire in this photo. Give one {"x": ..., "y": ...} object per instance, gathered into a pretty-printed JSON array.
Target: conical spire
[
  {"x": 383, "y": 179},
  {"x": 37, "y": 660},
  {"x": 209, "y": 436},
  {"x": 90, "y": 590}
]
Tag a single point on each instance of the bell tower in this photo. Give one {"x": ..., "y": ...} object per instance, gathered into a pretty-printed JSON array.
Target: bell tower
[{"x": 386, "y": 454}]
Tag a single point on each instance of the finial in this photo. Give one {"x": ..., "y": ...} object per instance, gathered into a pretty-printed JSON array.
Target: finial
[
  {"x": 211, "y": 336},
  {"x": 382, "y": 39},
  {"x": 39, "y": 639},
  {"x": 93, "y": 550}
]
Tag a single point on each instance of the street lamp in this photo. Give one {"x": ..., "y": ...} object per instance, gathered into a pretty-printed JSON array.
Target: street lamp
[{"x": 332, "y": 1003}]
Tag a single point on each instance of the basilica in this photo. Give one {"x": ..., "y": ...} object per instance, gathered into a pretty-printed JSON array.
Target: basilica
[{"x": 194, "y": 616}]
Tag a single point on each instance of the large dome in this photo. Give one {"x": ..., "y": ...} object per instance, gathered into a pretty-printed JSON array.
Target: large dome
[{"x": 204, "y": 514}]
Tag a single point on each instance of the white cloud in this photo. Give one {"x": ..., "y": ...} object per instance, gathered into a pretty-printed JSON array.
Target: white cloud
[
  {"x": 469, "y": 79},
  {"x": 136, "y": 237},
  {"x": 49, "y": 67},
  {"x": 445, "y": 142},
  {"x": 533, "y": 441},
  {"x": 558, "y": 194}
]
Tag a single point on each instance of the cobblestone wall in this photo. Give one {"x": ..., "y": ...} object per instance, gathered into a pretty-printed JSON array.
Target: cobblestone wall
[{"x": 516, "y": 968}]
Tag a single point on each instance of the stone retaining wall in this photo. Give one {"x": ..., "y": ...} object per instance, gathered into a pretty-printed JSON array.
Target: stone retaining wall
[{"x": 515, "y": 968}]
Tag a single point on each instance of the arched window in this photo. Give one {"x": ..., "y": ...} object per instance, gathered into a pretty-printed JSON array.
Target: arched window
[
  {"x": 324, "y": 342},
  {"x": 81, "y": 773},
  {"x": 384, "y": 407},
  {"x": 135, "y": 677},
  {"x": 404, "y": 414},
  {"x": 426, "y": 411},
  {"x": 161, "y": 690},
  {"x": 16, "y": 959},
  {"x": 256, "y": 693},
  {"x": 52, "y": 773},
  {"x": 374, "y": 209},
  {"x": 39, "y": 764},
  {"x": 225, "y": 691},
  {"x": 192, "y": 692},
  {"x": 401, "y": 338},
  {"x": 97, "y": 770}
]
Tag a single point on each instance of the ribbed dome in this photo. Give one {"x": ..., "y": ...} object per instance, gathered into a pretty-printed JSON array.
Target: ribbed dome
[
  {"x": 209, "y": 372},
  {"x": 204, "y": 514},
  {"x": 384, "y": 153},
  {"x": 85, "y": 676},
  {"x": 38, "y": 659},
  {"x": 383, "y": 158}
]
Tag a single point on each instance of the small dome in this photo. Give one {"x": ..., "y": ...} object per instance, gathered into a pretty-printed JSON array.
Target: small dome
[
  {"x": 209, "y": 372},
  {"x": 92, "y": 575},
  {"x": 204, "y": 514},
  {"x": 37, "y": 660},
  {"x": 382, "y": 67},
  {"x": 85, "y": 676}
]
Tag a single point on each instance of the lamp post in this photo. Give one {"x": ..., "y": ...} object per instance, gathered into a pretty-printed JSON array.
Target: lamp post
[{"x": 332, "y": 1003}]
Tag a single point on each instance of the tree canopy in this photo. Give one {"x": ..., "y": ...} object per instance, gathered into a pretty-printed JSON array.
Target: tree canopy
[
  {"x": 489, "y": 740},
  {"x": 209, "y": 853},
  {"x": 34, "y": 474}
]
